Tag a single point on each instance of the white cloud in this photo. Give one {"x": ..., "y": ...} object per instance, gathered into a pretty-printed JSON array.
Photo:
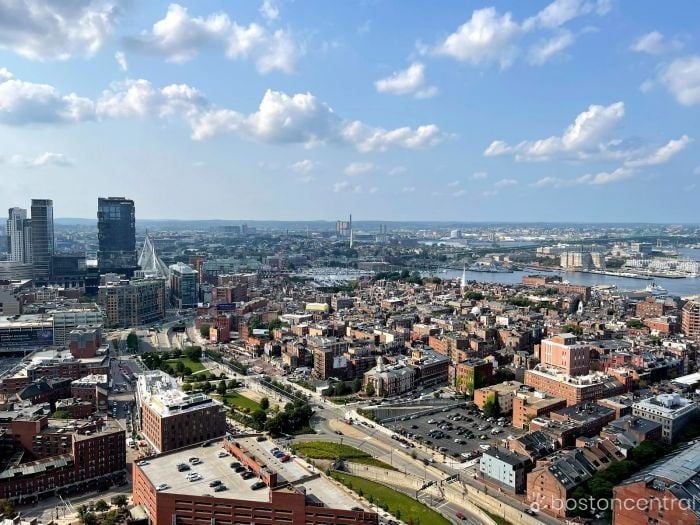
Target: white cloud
[
  {"x": 647, "y": 85},
  {"x": 661, "y": 155},
  {"x": 24, "y": 103},
  {"x": 408, "y": 189},
  {"x": 121, "y": 61},
  {"x": 341, "y": 186},
  {"x": 479, "y": 175},
  {"x": 459, "y": 193},
  {"x": 490, "y": 37},
  {"x": 359, "y": 168},
  {"x": 304, "y": 166},
  {"x": 397, "y": 170},
  {"x": 654, "y": 43},
  {"x": 280, "y": 118},
  {"x": 179, "y": 37},
  {"x": 486, "y": 37},
  {"x": 545, "y": 50},
  {"x": 453, "y": 184},
  {"x": 44, "y": 159},
  {"x": 504, "y": 183},
  {"x": 604, "y": 177},
  {"x": 269, "y": 10},
  {"x": 408, "y": 81},
  {"x": 583, "y": 137},
  {"x": 56, "y": 29},
  {"x": 682, "y": 78}
]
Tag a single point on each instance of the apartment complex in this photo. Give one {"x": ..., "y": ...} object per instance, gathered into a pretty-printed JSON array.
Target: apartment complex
[
  {"x": 690, "y": 319},
  {"x": 670, "y": 410},
  {"x": 574, "y": 389},
  {"x": 564, "y": 354},
  {"x": 172, "y": 419},
  {"x": 132, "y": 303}
]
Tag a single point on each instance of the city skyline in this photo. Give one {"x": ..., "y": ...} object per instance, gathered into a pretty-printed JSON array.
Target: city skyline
[{"x": 563, "y": 111}]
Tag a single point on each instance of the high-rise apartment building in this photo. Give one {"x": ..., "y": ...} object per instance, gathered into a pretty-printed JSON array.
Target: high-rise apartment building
[
  {"x": 132, "y": 303},
  {"x": 116, "y": 233},
  {"x": 690, "y": 319},
  {"x": 183, "y": 286},
  {"x": 19, "y": 236},
  {"x": 42, "y": 238}
]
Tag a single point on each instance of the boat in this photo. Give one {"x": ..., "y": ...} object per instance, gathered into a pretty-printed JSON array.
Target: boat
[
  {"x": 489, "y": 268},
  {"x": 655, "y": 290}
]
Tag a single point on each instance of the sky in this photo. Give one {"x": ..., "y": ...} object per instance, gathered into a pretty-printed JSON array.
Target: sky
[{"x": 570, "y": 110}]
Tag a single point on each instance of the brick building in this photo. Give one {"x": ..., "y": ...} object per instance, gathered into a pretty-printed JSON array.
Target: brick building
[
  {"x": 288, "y": 496},
  {"x": 505, "y": 391},
  {"x": 665, "y": 493},
  {"x": 690, "y": 319},
  {"x": 172, "y": 419},
  {"x": 93, "y": 388},
  {"x": 574, "y": 389},
  {"x": 84, "y": 341},
  {"x": 529, "y": 405},
  {"x": 564, "y": 354}
]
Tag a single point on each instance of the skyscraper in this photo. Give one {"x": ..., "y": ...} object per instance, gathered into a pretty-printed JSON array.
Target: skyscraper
[
  {"x": 19, "y": 236},
  {"x": 42, "y": 238},
  {"x": 116, "y": 233}
]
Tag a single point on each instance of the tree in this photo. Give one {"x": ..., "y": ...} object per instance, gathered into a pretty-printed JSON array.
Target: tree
[
  {"x": 7, "y": 508},
  {"x": 204, "y": 331},
  {"x": 474, "y": 296},
  {"x": 180, "y": 367},
  {"x": 193, "y": 353},
  {"x": 207, "y": 387},
  {"x": 61, "y": 414},
  {"x": 186, "y": 387},
  {"x": 221, "y": 388},
  {"x": 89, "y": 518},
  {"x": 369, "y": 390},
  {"x": 132, "y": 342},
  {"x": 356, "y": 385},
  {"x": 492, "y": 407},
  {"x": 101, "y": 505},
  {"x": 232, "y": 384},
  {"x": 120, "y": 500},
  {"x": 264, "y": 403},
  {"x": 635, "y": 323},
  {"x": 259, "y": 418}
]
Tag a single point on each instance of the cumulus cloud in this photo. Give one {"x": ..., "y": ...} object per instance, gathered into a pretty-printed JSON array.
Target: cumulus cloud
[
  {"x": 409, "y": 81},
  {"x": 582, "y": 138},
  {"x": 341, "y": 186},
  {"x": 269, "y": 10},
  {"x": 661, "y": 155},
  {"x": 44, "y": 159},
  {"x": 654, "y": 43},
  {"x": 303, "y": 166},
  {"x": 359, "y": 168},
  {"x": 25, "y": 103},
  {"x": 121, "y": 61},
  {"x": 179, "y": 37},
  {"x": 56, "y": 29},
  {"x": 503, "y": 183},
  {"x": 280, "y": 118},
  {"x": 491, "y": 37},
  {"x": 682, "y": 79}
]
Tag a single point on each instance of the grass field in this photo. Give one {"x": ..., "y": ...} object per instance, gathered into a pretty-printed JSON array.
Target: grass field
[
  {"x": 328, "y": 450},
  {"x": 400, "y": 505},
  {"x": 195, "y": 367},
  {"x": 234, "y": 398}
]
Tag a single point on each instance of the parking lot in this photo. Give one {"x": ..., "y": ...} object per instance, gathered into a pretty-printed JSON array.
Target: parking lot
[{"x": 458, "y": 433}]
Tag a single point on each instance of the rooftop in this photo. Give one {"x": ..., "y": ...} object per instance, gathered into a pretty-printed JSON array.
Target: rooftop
[
  {"x": 666, "y": 404},
  {"x": 161, "y": 393}
]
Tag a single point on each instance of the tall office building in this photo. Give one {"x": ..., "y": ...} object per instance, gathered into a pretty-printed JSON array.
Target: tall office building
[
  {"x": 42, "y": 238},
  {"x": 183, "y": 286},
  {"x": 19, "y": 236},
  {"x": 116, "y": 233}
]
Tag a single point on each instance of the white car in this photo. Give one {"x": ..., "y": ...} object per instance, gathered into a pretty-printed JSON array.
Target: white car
[
  {"x": 195, "y": 478},
  {"x": 484, "y": 447},
  {"x": 162, "y": 486},
  {"x": 142, "y": 463}
]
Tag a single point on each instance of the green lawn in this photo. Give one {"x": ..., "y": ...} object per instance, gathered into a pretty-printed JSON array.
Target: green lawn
[
  {"x": 234, "y": 398},
  {"x": 195, "y": 367},
  {"x": 400, "y": 505},
  {"x": 329, "y": 450}
]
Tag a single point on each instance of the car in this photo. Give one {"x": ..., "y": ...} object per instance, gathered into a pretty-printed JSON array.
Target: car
[
  {"x": 142, "y": 463},
  {"x": 339, "y": 432},
  {"x": 357, "y": 509},
  {"x": 222, "y": 454},
  {"x": 273, "y": 450},
  {"x": 193, "y": 459},
  {"x": 191, "y": 475},
  {"x": 215, "y": 483},
  {"x": 195, "y": 478},
  {"x": 530, "y": 512},
  {"x": 258, "y": 485},
  {"x": 484, "y": 447},
  {"x": 220, "y": 488},
  {"x": 235, "y": 464},
  {"x": 285, "y": 458},
  {"x": 162, "y": 486},
  {"x": 460, "y": 516},
  {"x": 278, "y": 454},
  {"x": 414, "y": 427},
  {"x": 431, "y": 422},
  {"x": 239, "y": 469},
  {"x": 260, "y": 438},
  {"x": 247, "y": 475},
  {"x": 183, "y": 467}
]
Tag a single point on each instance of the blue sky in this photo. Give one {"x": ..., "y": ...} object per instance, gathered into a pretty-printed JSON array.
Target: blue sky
[{"x": 571, "y": 110}]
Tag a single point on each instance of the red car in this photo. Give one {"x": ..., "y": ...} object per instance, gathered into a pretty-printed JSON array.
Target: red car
[{"x": 285, "y": 458}]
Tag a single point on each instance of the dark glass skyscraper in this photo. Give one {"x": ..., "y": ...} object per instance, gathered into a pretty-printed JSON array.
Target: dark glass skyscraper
[
  {"x": 42, "y": 238},
  {"x": 116, "y": 233}
]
